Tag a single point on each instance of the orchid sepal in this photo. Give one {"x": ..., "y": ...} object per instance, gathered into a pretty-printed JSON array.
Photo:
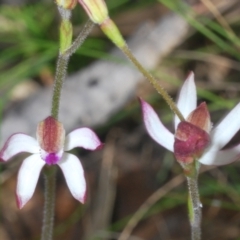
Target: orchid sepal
[
  {"x": 74, "y": 176},
  {"x": 27, "y": 178},
  {"x": 18, "y": 143},
  {"x": 155, "y": 127},
  {"x": 220, "y": 136},
  {"x": 210, "y": 152},
  {"x": 82, "y": 137},
  {"x": 187, "y": 98}
]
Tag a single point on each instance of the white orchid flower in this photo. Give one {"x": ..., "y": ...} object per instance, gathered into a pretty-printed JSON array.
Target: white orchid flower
[
  {"x": 50, "y": 148},
  {"x": 194, "y": 136}
]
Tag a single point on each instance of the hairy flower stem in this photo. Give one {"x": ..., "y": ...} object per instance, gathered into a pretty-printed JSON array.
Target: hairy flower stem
[
  {"x": 153, "y": 81},
  {"x": 112, "y": 32},
  {"x": 49, "y": 196},
  {"x": 66, "y": 50},
  {"x": 60, "y": 77},
  {"x": 194, "y": 206},
  {"x": 80, "y": 39},
  {"x": 50, "y": 173},
  {"x": 62, "y": 64}
]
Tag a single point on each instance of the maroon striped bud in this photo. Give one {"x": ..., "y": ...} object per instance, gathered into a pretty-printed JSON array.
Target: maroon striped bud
[{"x": 50, "y": 135}]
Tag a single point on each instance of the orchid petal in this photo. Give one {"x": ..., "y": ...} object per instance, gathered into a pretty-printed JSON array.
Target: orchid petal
[
  {"x": 18, "y": 143},
  {"x": 74, "y": 175},
  {"x": 27, "y": 178},
  {"x": 155, "y": 127},
  {"x": 223, "y": 157},
  {"x": 187, "y": 99},
  {"x": 82, "y": 137},
  {"x": 226, "y": 129}
]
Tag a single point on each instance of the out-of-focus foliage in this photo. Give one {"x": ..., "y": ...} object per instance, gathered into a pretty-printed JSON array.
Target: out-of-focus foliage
[{"x": 29, "y": 40}]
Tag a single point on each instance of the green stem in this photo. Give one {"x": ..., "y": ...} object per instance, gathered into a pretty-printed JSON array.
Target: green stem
[
  {"x": 195, "y": 206},
  {"x": 62, "y": 64},
  {"x": 80, "y": 39},
  {"x": 48, "y": 213},
  {"x": 61, "y": 72},
  {"x": 153, "y": 81},
  {"x": 113, "y": 33}
]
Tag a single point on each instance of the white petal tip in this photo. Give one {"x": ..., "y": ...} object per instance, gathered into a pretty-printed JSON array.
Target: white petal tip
[
  {"x": 190, "y": 76},
  {"x": 146, "y": 108},
  {"x": 83, "y": 198},
  {"x": 20, "y": 202},
  {"x": 99, "y": 147},
  {"x": 143, "y": 103}
]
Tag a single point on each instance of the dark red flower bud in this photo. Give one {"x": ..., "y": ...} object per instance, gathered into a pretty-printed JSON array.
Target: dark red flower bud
[{"x": 190, "y": 142}]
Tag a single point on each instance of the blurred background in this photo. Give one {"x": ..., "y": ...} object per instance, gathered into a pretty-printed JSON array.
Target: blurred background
[{"x": 136, "y": 190}]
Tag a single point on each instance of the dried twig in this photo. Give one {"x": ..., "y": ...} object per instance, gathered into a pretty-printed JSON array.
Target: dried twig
[{"x": 103, "y": 204}]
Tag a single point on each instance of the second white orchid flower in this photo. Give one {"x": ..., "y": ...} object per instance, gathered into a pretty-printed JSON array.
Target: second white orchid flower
[{"x": 194, "y": 138}]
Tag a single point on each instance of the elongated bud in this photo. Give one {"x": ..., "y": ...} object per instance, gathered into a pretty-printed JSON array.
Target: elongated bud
[
  {"x": 66, "y": 4},
  {"x": 96, "y": 10},
  {"x": 51, "y": 137},
  {"x": 65, "y": 35},
  {"x": 98, "y": 13},
  {"x": 113, "y": 33}
]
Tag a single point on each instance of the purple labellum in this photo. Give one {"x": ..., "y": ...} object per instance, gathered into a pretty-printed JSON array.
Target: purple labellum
[{"x": 52, "y": 158}]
